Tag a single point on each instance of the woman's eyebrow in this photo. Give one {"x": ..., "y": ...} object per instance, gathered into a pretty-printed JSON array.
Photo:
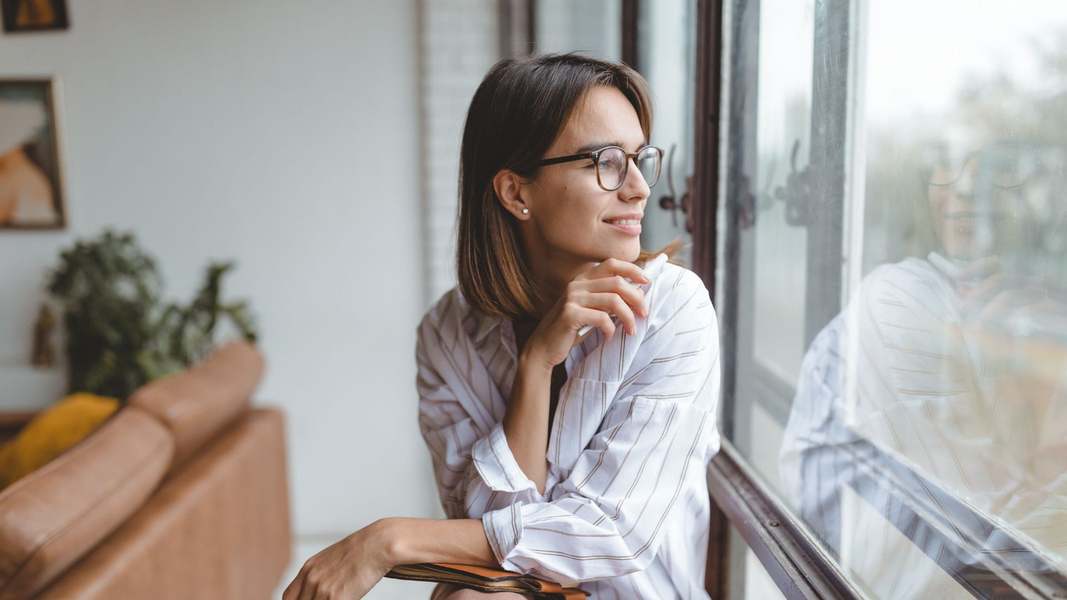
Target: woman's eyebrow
[{"x": 598, "y": 145}]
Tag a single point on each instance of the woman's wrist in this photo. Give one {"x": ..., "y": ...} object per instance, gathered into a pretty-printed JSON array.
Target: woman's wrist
[
  {"x": 406, "y": 540},
  {"x": 533, "y": 362},
  {"x": 390, "y": 533}
]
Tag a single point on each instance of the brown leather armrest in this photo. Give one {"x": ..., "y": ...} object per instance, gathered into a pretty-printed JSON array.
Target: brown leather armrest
[
  {"x": 52, "y": 517},
  {"x": 199, "y": 401}
]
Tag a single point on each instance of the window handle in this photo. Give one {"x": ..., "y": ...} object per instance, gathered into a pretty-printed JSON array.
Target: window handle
[
  {"x": 798, "y": 193},
  {"x": 671, "y": 202}
]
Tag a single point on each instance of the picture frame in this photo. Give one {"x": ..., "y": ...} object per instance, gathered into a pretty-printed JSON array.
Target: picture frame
[
  {"x": 34, "y": 15},
  {"x": 31, "y": 181}
]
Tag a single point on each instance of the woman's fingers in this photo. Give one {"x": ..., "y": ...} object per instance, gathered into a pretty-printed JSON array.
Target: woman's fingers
[
  {"x": 614, "y": 266},
  {"x": 629, "y": 292},
  {"x": 609, "y": 302},
  {"x": 292, "y": 592},
  {"x": 992, "y": 286},
  {"x": 577, "y": 315},
  {"x": 1006, "y": 303},
  {"x": 599, "y": 318},
  {"x": 979, "y": 269},
  {"x": 310, "y": 590}
]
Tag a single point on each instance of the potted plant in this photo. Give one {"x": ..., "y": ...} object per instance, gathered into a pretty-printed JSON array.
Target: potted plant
[{"x": 119, "y": 333}]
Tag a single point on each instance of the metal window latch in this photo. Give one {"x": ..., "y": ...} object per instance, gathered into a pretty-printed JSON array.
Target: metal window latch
[
  {"x": 798, "y": 193},
  {"x": 671, "y": 202}
]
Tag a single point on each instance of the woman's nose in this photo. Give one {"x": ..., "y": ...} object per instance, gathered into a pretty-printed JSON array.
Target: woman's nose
[
  {"x": 965, "y": 185},
  {"x": 635, "y": 187}
]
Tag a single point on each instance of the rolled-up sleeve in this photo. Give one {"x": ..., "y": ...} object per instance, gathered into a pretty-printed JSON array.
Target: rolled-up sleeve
[
  {"x": 642, "y": 468},
  {"x": 474, "y": 468}
]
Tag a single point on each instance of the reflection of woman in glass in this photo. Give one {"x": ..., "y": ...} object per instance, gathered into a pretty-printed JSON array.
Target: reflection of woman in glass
[
  {"x": 566, "y": 455},
  {"x": 929, "y": 400}
]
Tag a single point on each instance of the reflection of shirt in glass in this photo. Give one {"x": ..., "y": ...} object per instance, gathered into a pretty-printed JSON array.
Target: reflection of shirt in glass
[{"x": 896, "y": 379}]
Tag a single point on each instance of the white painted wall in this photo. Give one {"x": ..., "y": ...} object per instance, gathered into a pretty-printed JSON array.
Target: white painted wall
[
  {"x": 282, "y": 134},
  {"x": 459, "y": 43}
]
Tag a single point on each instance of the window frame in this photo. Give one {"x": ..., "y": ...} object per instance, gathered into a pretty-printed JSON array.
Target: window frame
[{"x": 796, "y": 563}]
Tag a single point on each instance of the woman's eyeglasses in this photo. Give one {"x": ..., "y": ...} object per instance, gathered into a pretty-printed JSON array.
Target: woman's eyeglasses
[
  {"x": 612, "y": 163},
  {"x": 1005, "y": 165}
]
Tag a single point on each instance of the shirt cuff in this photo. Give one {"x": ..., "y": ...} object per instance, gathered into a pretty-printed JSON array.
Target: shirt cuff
[
  {"x": 503, "y": 529},
  {"x": 497, "y": 465}
]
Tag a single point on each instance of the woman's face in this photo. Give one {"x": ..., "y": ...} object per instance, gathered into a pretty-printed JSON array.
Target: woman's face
[
  {"x": 970, "y": 219},
  {"x": 570, "y": 214}
]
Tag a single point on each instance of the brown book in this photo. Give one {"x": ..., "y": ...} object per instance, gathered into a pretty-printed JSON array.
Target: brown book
[{"x": 487, "y": 580}]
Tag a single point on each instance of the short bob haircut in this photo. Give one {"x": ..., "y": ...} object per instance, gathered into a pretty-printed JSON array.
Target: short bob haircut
[{"x": 519, "y": 109}]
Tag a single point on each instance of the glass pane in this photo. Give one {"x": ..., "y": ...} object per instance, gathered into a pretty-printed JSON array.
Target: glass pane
[
  {"x": 587, "y": 26},
  {"x": 783, "y": 127},
  {"x": 899, "y": 355},
  {"x": 666, "y": 45}
]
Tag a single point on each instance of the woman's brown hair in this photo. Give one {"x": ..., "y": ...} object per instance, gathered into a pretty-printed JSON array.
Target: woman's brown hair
[{"x": 519, "y": 109}]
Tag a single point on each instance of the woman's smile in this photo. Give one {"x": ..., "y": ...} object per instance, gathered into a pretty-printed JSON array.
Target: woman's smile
[{"x": 629, "y": 224}]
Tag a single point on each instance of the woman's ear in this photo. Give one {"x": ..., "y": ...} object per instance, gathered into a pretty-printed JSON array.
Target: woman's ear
[{"x": 508, "y": 187}]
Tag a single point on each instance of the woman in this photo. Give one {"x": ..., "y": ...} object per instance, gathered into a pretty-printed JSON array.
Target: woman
[
  {"x": 576, "y": 458},
  {"x": 926, "y": 399}
]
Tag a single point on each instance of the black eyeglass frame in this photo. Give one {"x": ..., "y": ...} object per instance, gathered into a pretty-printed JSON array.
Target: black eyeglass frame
[
  {"x": 982, "y": 153},
  {"x": 595, "y": 156}
]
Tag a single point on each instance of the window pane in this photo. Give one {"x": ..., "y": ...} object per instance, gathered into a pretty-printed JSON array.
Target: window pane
[
  {"x": 783, "y": 126},
  {"x": 587, "y": 26},
  {"x": 895, "y": 284},
  {"x": 666, "y": 44}
]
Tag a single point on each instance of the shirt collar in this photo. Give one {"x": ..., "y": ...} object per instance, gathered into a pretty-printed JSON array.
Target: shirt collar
[{"x": 484, "y": 325}]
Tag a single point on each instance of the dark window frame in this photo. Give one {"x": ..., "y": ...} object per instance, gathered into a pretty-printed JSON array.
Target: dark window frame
[{"x": 796, "y": 562}]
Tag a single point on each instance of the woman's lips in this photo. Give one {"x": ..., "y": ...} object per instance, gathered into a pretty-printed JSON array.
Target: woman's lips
[
  {"x": 630, "y": 228},
  {"x": 974, "y": 216}
]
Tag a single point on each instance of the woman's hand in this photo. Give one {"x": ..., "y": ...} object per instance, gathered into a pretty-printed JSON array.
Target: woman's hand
[
  {"x": 996, "y": 296},
  {"x": 346, "y": 570},
  {"x": 588, "y": 299}
]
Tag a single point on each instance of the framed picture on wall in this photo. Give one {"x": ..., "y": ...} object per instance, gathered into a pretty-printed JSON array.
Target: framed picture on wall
[
  {"x": 31, "y": 191},
  {"x": 34, "y": 15}
]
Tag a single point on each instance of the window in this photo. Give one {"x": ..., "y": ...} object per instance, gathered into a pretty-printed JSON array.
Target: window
[
  {"x": 893, "y": 287},
  {"x": 587, "y": 26},
  {"x": 666, "y": 56}
]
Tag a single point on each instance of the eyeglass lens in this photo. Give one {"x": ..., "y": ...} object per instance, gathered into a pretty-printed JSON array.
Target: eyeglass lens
[
  {"x": 1005, "y": 165},
  {"x": 613, "y": 164}
]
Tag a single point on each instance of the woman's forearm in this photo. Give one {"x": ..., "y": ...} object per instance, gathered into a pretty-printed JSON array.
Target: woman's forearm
[
  {"x": 459, "y": 541},
  {"x": 526, "y": 419}
]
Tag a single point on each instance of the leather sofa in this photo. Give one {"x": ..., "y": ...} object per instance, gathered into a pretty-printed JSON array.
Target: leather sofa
[{"x": 181, "y": 494}]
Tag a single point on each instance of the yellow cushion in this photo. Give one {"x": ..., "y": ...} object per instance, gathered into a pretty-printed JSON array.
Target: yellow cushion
[{"x": 52, "y": 433}]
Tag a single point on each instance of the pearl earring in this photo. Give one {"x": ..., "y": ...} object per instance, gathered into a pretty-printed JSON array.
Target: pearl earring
[{"x": 525, "y": 211}]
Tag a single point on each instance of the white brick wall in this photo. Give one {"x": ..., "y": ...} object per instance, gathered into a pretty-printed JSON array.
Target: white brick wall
[{"x": 459, "y": 42}]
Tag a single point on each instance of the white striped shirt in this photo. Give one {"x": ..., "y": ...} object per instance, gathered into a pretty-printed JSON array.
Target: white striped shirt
[
  {"x": 626, "y": 507},
  {"x": 899, "y": 375}
]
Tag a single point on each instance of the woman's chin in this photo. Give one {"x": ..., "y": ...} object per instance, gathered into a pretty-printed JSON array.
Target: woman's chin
[{"x": 628, "y": 253}]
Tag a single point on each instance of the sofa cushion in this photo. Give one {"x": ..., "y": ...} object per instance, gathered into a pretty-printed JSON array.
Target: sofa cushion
[
  {"x": 54, "y": 516},
  {"x": 52, "y": 433},
  {"x": 199, "y": 401}
]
